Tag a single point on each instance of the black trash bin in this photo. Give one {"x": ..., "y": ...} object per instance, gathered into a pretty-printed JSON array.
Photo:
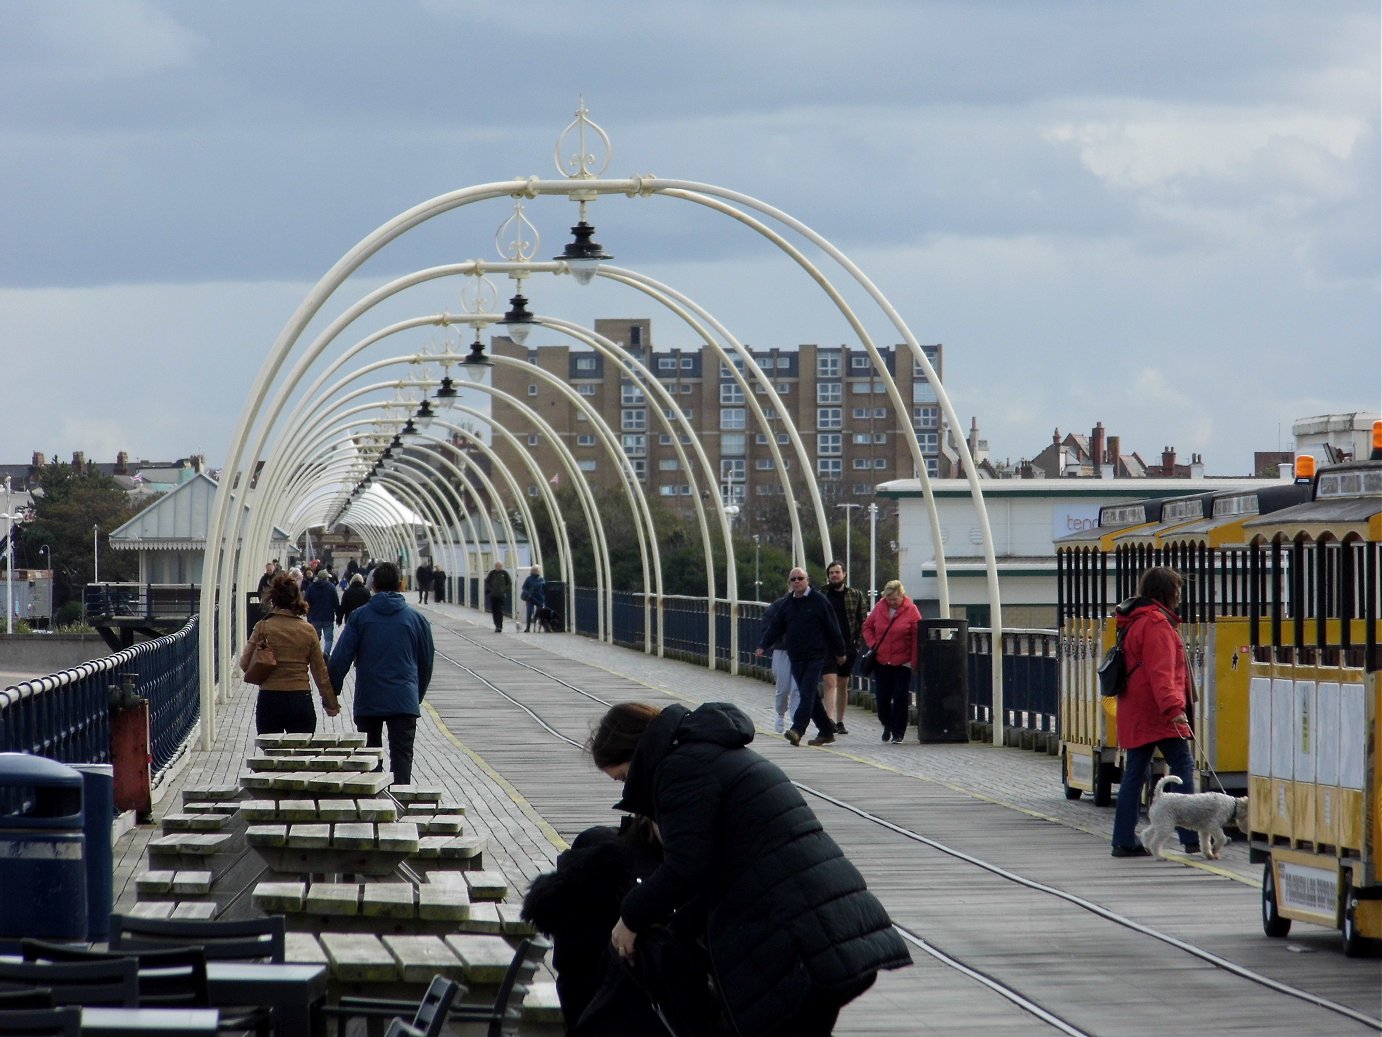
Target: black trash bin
[
  {"x": 98, "y": 808},
  {"x": 42, "y": 849},
  {"x": 942, "y": 680}
]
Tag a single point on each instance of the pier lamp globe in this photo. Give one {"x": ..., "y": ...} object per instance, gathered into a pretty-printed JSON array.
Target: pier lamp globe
[{"x": 582, "y": 255}]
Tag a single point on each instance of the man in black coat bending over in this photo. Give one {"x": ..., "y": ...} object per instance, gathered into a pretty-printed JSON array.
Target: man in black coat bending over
[{"x": 807, "y": 628}]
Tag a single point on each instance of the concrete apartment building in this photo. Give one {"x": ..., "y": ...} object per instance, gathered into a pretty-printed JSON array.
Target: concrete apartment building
[{"x": 830, "y": 393}]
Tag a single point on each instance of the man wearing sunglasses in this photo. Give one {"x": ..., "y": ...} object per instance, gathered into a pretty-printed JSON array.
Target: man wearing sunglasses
[{"x": 806, "y": 627}]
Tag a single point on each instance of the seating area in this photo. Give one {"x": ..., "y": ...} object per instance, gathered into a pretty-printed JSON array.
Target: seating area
[{"x": 313, "y": 860}]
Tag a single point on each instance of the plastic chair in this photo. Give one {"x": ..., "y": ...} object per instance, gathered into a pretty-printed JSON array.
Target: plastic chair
[
  {"x": 87, "y": 982},
  {"x": 398, "y": 1028},
  {"x": 168, "y": 977},
  {"x": 250, "y": 939},
  {"x": 41, "y": 1022},
  {"x": 428, "y": 1016}
]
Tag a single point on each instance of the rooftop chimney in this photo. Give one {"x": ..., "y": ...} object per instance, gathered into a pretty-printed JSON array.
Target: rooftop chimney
[
  {"x": 1096, "y": 448},
  {"x": 78, "y": 460},
  {"x": 1168, "y": 462},
  {"x": 1114, "y": 453}
]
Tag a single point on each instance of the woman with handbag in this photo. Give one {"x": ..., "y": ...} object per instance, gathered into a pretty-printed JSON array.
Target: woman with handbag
[
  {"x": 891, "y": 631},
  {"x": 285, "y": 698}
]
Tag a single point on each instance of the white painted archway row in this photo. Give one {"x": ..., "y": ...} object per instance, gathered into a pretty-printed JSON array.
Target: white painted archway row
[{"x": 247, "y": 445}]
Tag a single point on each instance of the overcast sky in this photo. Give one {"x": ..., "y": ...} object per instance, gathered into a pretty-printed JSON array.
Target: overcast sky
[{"x": 1162, "y": 216}]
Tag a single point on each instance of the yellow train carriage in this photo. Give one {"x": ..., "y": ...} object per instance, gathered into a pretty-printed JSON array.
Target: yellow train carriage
[
  {"x": 1315, "y": 705},
  {"x": 1083, "y": 605}
]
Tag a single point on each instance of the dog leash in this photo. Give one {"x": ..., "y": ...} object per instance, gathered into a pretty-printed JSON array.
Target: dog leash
[{"x": 1208, "y": 766}]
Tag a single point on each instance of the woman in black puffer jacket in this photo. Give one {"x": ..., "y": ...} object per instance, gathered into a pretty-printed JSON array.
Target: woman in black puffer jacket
[{"x": 793, "y": 933}]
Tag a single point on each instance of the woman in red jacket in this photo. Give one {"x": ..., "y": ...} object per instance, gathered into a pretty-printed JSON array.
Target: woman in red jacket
[
  {"x": 891, "y": 629},
  {"x": 1153, "y": 713}
]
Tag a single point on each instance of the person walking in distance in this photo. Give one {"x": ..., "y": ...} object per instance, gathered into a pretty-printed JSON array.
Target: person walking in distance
[
  {"x": 534, "y": 595},
  {"x": 498, "y": 585},
  {"x": 390, "y": 645},
  {"x": 787, "y": 698},
  {"x": 807, "y": 628},
  {"x": 424, "y": 582},
  {"x": 891, "y": 630},
  {"x": 323, "y": 608},
  {"x": 850, "y": 612}
]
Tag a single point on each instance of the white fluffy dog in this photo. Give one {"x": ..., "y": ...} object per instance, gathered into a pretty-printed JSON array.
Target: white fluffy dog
[{"x": 1203, "y": 812}]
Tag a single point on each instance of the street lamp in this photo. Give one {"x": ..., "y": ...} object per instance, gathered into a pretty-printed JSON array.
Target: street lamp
[
  {"x": 873, "y": 542},
  {"x": 849, "y": 514},
  {"x": 95, "y": 554},
  {"x": 757, "y": 583},
  {"x": 45, "y": 549}
]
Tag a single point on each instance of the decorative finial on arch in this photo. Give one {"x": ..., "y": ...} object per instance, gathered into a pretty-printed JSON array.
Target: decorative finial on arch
[{"x": 592, "y": 151}]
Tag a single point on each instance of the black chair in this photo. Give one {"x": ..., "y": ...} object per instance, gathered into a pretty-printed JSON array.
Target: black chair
[
  {"x": 13, "y": 998},
  {"x": 41, "y": 1022},
  {"x": 507, "y": 1011},
  {"x": 428, "y": 1016},
  {"x": 398, "y": 1028},
  {"x": 503, "y": 1015},
  {"x": 251, "y": 939},
  {"x": 168, "y": 977},
  {"x": 111, "y": 984}
]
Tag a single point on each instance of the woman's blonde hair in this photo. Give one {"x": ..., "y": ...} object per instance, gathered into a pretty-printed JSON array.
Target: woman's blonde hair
[{"x": 894, "y": 585}]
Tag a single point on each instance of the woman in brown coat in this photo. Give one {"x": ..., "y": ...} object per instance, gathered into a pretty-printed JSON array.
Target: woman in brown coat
[{"x": 285, "y": 698}]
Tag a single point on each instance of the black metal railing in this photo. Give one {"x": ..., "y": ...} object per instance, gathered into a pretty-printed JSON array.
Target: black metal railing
[
  {"x": 65, "y": 716},
  {"x": 149, "y": 601}
]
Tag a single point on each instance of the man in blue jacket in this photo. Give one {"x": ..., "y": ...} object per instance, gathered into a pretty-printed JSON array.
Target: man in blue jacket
[
  {"x": 805, "y": 625},
  {"x": 390, "y": 645}
]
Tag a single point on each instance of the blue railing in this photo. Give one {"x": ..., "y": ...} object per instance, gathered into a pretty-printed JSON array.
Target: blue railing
[
  {"x": 1030, "y": 670},
  {"x": 65, "y": 716}
]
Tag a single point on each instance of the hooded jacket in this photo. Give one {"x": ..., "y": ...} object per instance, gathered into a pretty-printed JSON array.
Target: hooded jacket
[
  {"x": 1158, "y": 678},
  {"x": 390, "y": 645},
  {"x": 786, "y": 912},
  {"x": 894, "y": 638}
]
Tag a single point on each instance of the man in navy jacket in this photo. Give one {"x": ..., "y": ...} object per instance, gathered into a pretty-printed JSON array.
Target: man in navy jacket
[
  {"x": 807, "y": 628},
  {"x": 390, "y": 645}
]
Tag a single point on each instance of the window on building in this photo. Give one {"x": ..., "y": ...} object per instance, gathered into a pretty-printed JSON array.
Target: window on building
[
  {"x": 859, "y": 414},
  {"x": 923, "y": 392},
  {"x": 828, "y": 364},
  {"x": 861, "y": 439},
  {"x": 830, "y": 467},
  {"x": 860, "y": 464},
  {"x": 733, "y": 443},
  {"x": 929, "y": 442},
  {"x": 784, "y": 388},
  {"x": 640, "y": 468},
  {"x": 686, "y": 390},
  {"x": 860, "y": 362},
  {"x": 829, "y": 444},
  {"x": 731, "y": 395},
  {"x": 585, "y": 365},
  {"x": 532, "y": 489},
  {"x": 667, "y": 491},
  {"x": 881, "y": 413},
  {"x": 880, "y": 462},
  {"x": 733, "y": 469},
  {"x": 688, "y": 363},
  {"x": 664, "y": 440},
  {"x": 666, "y": 363},
  {"x": 764, "y": 464},
  {"x": 635, "y": 446},
  {"x": 668, "y": 464},
  {"x": 732, "y": 418},
  {"x": 533, "y": 438},
  {"x": 633, "y": 420},
  {"x": 587, "y": 465},
  {"x": 760, "y": 439},
  {"x": 783, "y": 439},
  {"x": 587, "y": 390},
  {"x": 830, "y": 417},
  {"x": 880, "y": 438},
  {"x": 933, "y": 467},
  {"x": 532, "y": 389},
  {"x": 585, "y": 439},
  {"x": 829, "y": 393},
  {"x": 926, "y": 417},
  {"x": 631, "y": 395}
]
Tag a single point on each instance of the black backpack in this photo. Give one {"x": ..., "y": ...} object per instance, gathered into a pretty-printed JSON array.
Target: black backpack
[{"x": 1113, "y": 668}]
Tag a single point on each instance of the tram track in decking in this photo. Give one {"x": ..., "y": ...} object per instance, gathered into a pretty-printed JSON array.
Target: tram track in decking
[{"x": 960, "y": 871}]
